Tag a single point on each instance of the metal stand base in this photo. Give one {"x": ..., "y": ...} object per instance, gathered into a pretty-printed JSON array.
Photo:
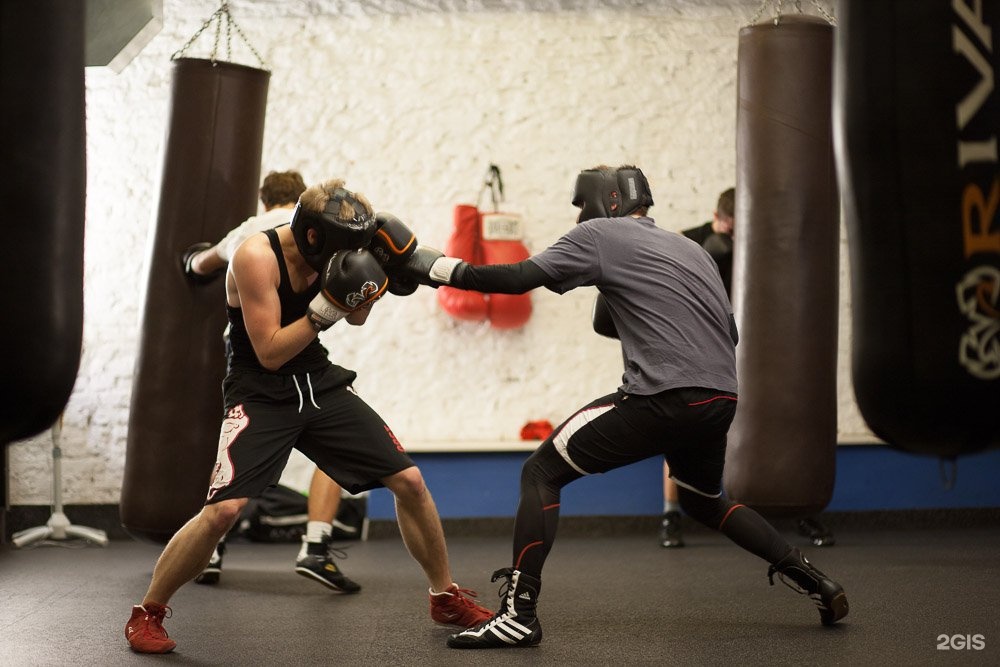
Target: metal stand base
[{"x": 58, "y": 528}]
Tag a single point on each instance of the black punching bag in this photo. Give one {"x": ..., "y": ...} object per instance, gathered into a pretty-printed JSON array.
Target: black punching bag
[
  {"x": 781, "y": 457},
  {"x": 42, "y": 121},
  {"x": 210, "y": 182},
  {"x": 917, "y": 120}
]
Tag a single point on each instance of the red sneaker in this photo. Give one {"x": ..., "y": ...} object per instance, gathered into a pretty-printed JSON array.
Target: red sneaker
[
  {"x": 453, "y": 607},
  {"x": 144, "y": 631}
]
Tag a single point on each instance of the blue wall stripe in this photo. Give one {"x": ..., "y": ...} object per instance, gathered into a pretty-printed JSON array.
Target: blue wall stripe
[{"x": 869, "y": 477}]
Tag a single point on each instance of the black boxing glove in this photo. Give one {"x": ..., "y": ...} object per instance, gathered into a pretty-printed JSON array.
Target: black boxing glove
[
  {"x": 601, "y": 316},
  {"x": 392, "y": 245},
  {"x": 428, "y": 266},
  {"x": 187, "y": 264},
  {"x": 352, "y": 279},
  {"x": 402, "y": 285},
  {"x": 393, "y": 242}
]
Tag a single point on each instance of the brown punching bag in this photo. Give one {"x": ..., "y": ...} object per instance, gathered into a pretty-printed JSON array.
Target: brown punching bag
[
  {"x": 44, "y": 183},
  {"x": 211, "y": 176},
  {"x": 782, "y": 445}
]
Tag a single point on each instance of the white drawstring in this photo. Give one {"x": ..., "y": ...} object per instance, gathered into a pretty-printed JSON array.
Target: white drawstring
[
  {"x": 295, "y": 380},
  {"x": 312, "y": 397}
]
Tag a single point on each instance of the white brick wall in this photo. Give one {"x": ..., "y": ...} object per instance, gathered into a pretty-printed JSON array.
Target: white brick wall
[{"x": 411, "y": 101}]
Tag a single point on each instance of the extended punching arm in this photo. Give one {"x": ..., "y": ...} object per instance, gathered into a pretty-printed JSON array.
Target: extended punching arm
[
  {"x": 430, "y": 267},
  {"x": 501, "y": 278}
]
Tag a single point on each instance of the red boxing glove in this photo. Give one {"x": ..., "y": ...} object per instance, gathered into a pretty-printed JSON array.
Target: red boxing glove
[
  {"x": 501, "y": 244},
  {"x": 536, "y": 430},
  {"x": 464, "y": 244}
]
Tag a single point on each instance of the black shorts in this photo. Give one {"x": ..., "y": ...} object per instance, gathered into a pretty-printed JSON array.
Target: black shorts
[
  {"x": 319, "y": 414},
  {"x": 686, "y": 426}
]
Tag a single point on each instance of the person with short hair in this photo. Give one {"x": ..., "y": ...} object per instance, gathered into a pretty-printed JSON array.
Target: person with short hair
[
  {"x": 203, "y": 262},
  {"x": 281, "y": 390}
]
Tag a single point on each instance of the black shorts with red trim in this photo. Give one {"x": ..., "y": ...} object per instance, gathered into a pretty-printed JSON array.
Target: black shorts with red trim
[
  {"x": 686, "y": 426},
  {"x": 319, "y": 414}
]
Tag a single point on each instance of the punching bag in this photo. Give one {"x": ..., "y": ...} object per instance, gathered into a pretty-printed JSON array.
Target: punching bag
[
  {"x": 917, "y": 119},
  {"x": 781, "y": 457},
  {"x": 44, "y": 186},
  {"x": 210, "y": 181}
]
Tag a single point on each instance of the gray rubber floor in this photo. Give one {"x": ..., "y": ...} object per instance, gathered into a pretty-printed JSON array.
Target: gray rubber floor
[{"x": 619, "y": 600}]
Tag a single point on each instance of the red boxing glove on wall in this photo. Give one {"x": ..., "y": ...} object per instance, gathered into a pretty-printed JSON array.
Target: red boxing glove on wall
[
  {"x": 501, "y": 244},
  {"x": 464, "y": 243}
]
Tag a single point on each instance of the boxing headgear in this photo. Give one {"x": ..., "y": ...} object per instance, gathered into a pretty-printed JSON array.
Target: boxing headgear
[
  {"x": 611, "y": 193},
  {"x": 333, "y": 232}
]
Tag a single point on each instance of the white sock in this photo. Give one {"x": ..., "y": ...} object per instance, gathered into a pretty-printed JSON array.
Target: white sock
[
  {"x": 432, "y": 592},
  {"x": 316, "y": 531},
  {"x": 671, "y": 506}
]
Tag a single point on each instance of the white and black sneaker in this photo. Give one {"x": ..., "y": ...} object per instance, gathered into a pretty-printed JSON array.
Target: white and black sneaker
[
  {"x": 317, "y": 564},
  {"x": 213, "y": 571},
  {"x": 515, "y": 625},
  {"x": 826, "y": 593}
]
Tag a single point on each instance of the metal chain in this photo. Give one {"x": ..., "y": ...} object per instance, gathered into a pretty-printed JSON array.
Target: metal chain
[
  {"x": 183, "y": 49},
  {"x": 218, "y": 24},
  {"x": 229, "y": 36},
  {"x": 216, "y": 18},
  {"x": 798, "y": 7},
  {"x": 825, "y": 14}
]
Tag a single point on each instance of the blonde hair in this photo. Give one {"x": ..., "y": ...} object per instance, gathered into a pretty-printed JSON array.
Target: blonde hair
[{"x": 316, "y": 197}]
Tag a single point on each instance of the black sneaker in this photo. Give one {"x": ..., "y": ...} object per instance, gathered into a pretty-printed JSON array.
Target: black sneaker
[
  {"x": 320, "y": 567},
  {"x": 515, "y": 625},
  {"x": 670, "y": 530},
  {"x": 210, "y": 575},
  {"x": 828, "y": 595},
  {"x": 817, "y": 533}
]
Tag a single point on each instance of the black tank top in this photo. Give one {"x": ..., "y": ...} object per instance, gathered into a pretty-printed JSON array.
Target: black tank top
[{"x": 241, "y": 355}]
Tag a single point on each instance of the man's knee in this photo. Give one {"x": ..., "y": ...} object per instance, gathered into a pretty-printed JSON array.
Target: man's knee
[
  {"x": 547, "y": 468},
  {"x": 707, "y": 510},
  {"x": 406, "y": 484},
  {"x": 222, "y": 515}
]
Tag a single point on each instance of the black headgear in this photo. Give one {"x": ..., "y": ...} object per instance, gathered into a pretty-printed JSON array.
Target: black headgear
[
  {"x": 333, "y": 232},
  {"x": 611, "y": 193}
]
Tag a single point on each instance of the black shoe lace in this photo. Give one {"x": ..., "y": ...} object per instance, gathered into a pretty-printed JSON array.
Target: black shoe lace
[
  {"x": 335, "y": 552},
  {"x": 507, "y": 574},
  {"x": 771, "y": 571}
]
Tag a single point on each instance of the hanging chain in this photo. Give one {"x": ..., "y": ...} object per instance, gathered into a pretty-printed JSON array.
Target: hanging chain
[
  {"x": 218, "y": 26},
  {"x": 828, "y": 15},
  {"x": 798, "y": 8},
  {"x": 222, "y": 13},
  {"x": 494, "y": 183}
]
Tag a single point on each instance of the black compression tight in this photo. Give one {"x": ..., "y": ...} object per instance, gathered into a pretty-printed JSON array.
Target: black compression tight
[
  {"x": 737, "y": 522},
  {"x": 542, "y": 478},
  {"x": 544, "y": 475}
]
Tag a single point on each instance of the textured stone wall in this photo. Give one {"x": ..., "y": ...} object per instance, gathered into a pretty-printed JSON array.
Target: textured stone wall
[{"x": 410, "y": 102}]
